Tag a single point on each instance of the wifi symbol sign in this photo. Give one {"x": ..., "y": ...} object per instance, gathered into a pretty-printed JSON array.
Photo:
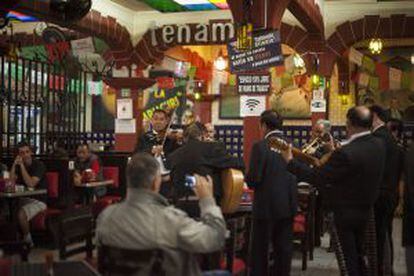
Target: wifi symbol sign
[{"x": 252, "y": 103}]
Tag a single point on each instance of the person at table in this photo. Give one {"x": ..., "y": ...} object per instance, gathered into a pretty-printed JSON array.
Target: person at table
[
  {"x": 275, "y": 201},
  {"x": 88, "y": 168},
  {"x": 204, "y": 158},
  {"x": 30, "y": 172},
  {"x": 145, "y": 220},
  {"x": 353, "y": 174}
]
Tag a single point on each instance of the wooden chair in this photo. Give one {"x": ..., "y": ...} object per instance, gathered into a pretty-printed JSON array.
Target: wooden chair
[
  {"x": 303, "y": 226},
  {"x": 75, "y": 226},
  {"x": 114, "y": 261}
]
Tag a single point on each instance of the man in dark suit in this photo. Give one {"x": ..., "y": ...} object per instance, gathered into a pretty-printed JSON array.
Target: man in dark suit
[
  {"x": 388, "y": 196},
  {"x": 354, "y": 173},
  {"x": 199, "y": 157},
  {"x": 274, "y": 203},
  {"x": 408, "y": 217}
]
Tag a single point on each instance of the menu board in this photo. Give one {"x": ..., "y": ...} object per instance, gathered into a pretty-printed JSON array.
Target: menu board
[
  {"x": 266, "y": 52},
  {"x": 253, "y": 83}
]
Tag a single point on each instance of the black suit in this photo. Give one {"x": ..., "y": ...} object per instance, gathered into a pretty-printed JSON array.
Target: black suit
[
  {"x": 274, "y": 207},
  {"x": 203, "y": 158},
  {"x": 388, "y": 197},
  {"x": 350, "y": 181}
]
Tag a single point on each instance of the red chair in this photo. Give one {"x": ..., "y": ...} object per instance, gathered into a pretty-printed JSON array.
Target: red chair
[
  {"x": 39, "y": 222},
  {"x": 109, "y": 173}
]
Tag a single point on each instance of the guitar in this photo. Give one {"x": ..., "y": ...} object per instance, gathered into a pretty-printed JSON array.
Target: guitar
[
  {"x": 276, "y": 143},
  {"x": 233, "y": 182}
]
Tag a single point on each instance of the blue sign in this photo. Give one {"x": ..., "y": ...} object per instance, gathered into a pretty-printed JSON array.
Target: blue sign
[{"x": 266, "y": 52}]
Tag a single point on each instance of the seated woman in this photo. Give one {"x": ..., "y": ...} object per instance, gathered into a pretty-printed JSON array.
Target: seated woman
[{"x": 88, "y": 168}]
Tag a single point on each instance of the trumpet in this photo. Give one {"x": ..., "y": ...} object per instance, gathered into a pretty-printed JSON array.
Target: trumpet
[{"x": 319, "y": 142}]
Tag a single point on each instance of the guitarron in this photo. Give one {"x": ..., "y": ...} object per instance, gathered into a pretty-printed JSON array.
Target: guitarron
[{"x": 233, "y": 182}]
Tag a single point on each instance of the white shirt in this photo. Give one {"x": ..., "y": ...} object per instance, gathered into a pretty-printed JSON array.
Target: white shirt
[{"x": 375, "y": 128}]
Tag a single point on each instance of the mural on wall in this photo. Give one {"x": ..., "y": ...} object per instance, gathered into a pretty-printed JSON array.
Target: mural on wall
[{"x": 291, "y": 94}]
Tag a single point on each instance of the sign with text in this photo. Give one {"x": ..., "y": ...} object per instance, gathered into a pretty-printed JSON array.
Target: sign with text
[
  {"x": 266, "y": 52},
  {"x": 253, "y": 83},
  {"x": 252, "y": 105},
  {"x": 318, "y": 106}
]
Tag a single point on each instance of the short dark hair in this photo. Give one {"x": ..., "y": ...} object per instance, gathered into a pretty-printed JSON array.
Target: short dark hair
[
  {"x": 271, "y": 119},
  {"x": 141, "y": 170},
  {"x": 380, "y": 112},
  {"x": 193, "y": 131},
  {"x": 161, "y": 111},
  {"x": 83, "y": 145},
  {"x": 23, "y": 144},
  {"x": 360, "y": 116}
]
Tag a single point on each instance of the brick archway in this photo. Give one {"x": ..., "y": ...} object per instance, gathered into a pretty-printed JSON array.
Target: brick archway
[{"x": 370, "y": 26}]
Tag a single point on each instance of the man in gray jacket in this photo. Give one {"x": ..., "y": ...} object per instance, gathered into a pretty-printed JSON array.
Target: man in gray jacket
[{"x": 145, "y": 220}]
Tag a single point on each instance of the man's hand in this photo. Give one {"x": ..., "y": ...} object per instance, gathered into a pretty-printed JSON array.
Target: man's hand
[
  {"x": 157, "y": 150},
  {"x": 287, "y": 154},
  {"x": 203, "y": 187},
  {"x": 18, "y": 161},
  {"x": 77, "y": 178}
]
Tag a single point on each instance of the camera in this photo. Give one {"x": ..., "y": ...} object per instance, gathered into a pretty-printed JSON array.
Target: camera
[{"x": 190, "y": 181}]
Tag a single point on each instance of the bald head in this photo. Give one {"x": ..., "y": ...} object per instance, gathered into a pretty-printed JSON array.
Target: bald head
[{"x": 359, "y": 118}]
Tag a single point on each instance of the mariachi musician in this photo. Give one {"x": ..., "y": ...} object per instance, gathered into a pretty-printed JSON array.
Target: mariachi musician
[{"x": 158, "y": 143}]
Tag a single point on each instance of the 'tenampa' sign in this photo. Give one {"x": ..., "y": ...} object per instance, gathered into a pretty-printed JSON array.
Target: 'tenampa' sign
[{"x": 215, "y": 32}]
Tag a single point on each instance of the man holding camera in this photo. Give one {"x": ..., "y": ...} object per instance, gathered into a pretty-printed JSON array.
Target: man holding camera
[
  {"x": 29, "y": 172},
  {"x": 145, "y": 220}
]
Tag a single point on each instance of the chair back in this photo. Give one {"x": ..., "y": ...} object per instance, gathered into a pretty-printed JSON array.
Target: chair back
[
  {"x": 113, "y": 261},
  {"x": 75, "y": 226},
  {"x": 52, "y": 179},
  {"x": 111, "y": 173}
]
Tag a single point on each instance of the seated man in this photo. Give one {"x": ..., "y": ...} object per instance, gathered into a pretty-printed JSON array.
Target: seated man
[
  {"x": 204, "y": 158},
  {"x": 88, "y": 168},
  {"x": 146, "y": 221},
  {"x": 29, "y": 172}
]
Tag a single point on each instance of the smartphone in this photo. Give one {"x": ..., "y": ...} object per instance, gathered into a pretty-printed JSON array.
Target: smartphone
[{"x": 190, "y": 181}]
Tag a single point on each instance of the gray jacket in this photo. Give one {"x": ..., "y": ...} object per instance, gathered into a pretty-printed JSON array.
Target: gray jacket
[{"x": 146, "y": 221}]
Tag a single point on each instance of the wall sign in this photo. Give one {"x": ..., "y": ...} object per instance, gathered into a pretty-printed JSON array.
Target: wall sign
[
  {"x": 196, "y": 34},
  {"x": 125, "y": 126},
  {"x": 124, "y": 109},
  {"x": 319, "y": 94},
  {"x": 253, "y": 83},
  {"x": 252, "y": 105},
  {"x": 318, "y": 106},
  {"x": 266, "y": 52}
]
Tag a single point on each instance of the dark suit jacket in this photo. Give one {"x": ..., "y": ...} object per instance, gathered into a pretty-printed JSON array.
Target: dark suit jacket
[
  {"x": 203, "y": 158},
  {"x": 275, "y": 191},
  {"x": 351, "y": 177},
  {"x": 408, "y": 218},
  {"x": 149, "y": 139},
  {"x": 393, "y": 163}
]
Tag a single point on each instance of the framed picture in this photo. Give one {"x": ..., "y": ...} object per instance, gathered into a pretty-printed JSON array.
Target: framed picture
[{"x": 229, "y": 102}]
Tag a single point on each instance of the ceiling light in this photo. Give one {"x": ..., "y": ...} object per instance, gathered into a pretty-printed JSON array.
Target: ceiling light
[
  {"x": 412, "y": 59},
  {"x": 220, "y": 63},
  {"x": 375, "y": 46}
]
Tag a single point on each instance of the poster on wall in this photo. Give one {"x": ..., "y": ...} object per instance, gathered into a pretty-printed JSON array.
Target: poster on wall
[
  {"x": 229, "y": 102},
  {"x": 318, "y": 105},
  {"x": 167, "y": 99},
  {"x": 252, "y": 105},
  {"x": 124, "y": 109},
  {"x": 253, "y": 83},
  {"x": 266, "y": 52},
  {"x": 292, "y": 103},
  {"x": 125, "y": 126}
]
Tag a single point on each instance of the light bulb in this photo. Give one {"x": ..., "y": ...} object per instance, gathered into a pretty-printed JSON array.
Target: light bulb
[
  {"x": 375, "y": 46},
  {"x": 220, "y": 63}
]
